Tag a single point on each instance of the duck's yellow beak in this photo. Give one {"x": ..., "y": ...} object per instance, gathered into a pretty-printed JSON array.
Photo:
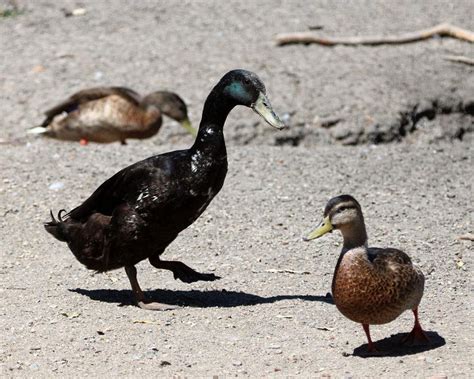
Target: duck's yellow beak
[
  {"x": 263, "y": 107},
  {"x": 186, "y": 124},
  {"x": 322, "y": 229}
]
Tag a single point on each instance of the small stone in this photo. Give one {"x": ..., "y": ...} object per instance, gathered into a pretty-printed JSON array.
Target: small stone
[
  {"x": 79, "y": 12},
  {"x": 56, "y": 186},
  {"x": 237, "y": 363},
  {"x": 34, "y": 366},
  {"x": 429, "y": 360},
  {"x": 38, "y": 68}
]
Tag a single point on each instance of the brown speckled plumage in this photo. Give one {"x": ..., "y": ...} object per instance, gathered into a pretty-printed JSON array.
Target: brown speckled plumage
[
  {"x": 376, "y": 292},
  {"x": 370, "y": 285}
]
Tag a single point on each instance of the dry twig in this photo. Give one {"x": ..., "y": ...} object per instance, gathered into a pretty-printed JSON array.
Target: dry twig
[
  {"x": 466, "y": 237},
  {"x": 286, "y": 271},
  {"x": 441, "y": 30},
  {"x": 460, "y": 59}
]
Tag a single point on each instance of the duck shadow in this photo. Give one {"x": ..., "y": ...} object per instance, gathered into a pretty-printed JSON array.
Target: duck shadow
[
  {"x": 391, "y": 346},
  {"x": 195, "y": 298}
]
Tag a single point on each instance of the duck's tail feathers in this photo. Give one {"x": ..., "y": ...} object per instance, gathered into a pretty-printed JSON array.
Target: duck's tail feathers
[
  {"x": 37, "y": 130},
  {"x": 56, "y": 227}
]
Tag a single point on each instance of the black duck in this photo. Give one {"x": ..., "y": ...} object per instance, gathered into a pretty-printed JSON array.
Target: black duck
[{"x": 139, "y": 211}]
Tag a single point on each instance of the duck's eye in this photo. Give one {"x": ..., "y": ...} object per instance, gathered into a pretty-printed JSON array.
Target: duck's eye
[{"x": 342, "y": 209}]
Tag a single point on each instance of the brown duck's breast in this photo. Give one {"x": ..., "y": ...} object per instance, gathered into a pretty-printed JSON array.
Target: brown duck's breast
[{"x": 377, "y": 291}]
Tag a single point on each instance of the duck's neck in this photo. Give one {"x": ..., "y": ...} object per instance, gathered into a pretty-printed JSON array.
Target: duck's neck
[
  {"x": 354, "y": 235},
  {"x": 210, "y": 137}
]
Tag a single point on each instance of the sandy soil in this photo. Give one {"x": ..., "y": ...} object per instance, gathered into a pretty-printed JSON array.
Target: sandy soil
[{"x": 269, "y": 314}]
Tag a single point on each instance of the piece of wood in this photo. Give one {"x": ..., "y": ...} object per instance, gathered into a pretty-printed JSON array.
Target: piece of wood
[
  {"x": 466, "y": 237},
  {"x": 287, "y": 271},
  {"x": 441, "y": 30},
  {"x": 460, "y": 59}
]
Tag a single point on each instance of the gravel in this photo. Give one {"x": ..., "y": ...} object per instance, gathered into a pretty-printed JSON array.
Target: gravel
[{"x": 404, "y": 110}]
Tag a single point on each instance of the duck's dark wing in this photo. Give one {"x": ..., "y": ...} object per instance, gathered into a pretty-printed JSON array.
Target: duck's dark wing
[
  {"x": 385, "y": 256},
  {"x": 126, "y": 185},
  {"x": 87, "y": 95},
  {"x": 111, "y": 193}
]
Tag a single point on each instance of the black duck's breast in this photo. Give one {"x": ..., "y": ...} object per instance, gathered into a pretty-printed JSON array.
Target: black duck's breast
[{"x": 177, "y": 188}]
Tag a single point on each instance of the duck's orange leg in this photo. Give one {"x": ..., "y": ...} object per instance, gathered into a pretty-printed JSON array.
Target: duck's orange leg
[
  {"x": 83, "y": 141},
  {"x": 371, "y": 346},
  {"x": 417, "y": 336}
]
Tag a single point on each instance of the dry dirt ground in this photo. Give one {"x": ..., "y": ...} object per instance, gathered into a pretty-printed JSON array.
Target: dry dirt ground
[{"x": 269, "y": 314}]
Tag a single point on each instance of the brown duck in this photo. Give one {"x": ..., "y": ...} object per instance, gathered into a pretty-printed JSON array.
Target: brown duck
[
  {"x": 370, "y": 285},
  {"x": 109, "y": 114}
]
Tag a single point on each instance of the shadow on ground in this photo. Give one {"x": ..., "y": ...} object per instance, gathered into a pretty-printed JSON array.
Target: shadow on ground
[
  {"x": 195, "y": 298},
  {"x": 391, "y": 347}
]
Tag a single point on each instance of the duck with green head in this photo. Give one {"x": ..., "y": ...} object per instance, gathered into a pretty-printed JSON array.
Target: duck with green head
[
  {"x": 138, "y": 212},
  {"x": 370, "y": 285}
]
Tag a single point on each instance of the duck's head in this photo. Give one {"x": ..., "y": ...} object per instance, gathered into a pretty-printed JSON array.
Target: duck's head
[
  {"x": 242, "y": 87},
  {"x": 171, "y": 105},
  {"x": 341, "y": 212}
]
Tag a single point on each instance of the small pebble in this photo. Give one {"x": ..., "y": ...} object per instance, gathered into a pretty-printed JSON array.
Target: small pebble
[
  {"x": 34, "y": 366},
  {"x": 56, "y": 186},
  {"x": 79, "y": 12}
]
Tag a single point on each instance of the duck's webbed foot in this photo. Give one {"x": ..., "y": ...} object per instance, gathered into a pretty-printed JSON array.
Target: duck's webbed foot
[
  {"x": 181, "y": 271},
  {"x": 417, "y": 336},
  {"x": 154, "y": 306},
  {"x": 140, "y": 297}
]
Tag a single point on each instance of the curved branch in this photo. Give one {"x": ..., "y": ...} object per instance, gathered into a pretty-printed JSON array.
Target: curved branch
[
  {"x": 460, "y": 59},
  {"x": 441, "y": 30}
]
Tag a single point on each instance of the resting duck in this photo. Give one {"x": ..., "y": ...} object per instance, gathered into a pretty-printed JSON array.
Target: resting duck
[
  {"x": 139, "y": 211},
  {"x": 370, "y": 285},
  {"x": 109, "y": 114}
]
